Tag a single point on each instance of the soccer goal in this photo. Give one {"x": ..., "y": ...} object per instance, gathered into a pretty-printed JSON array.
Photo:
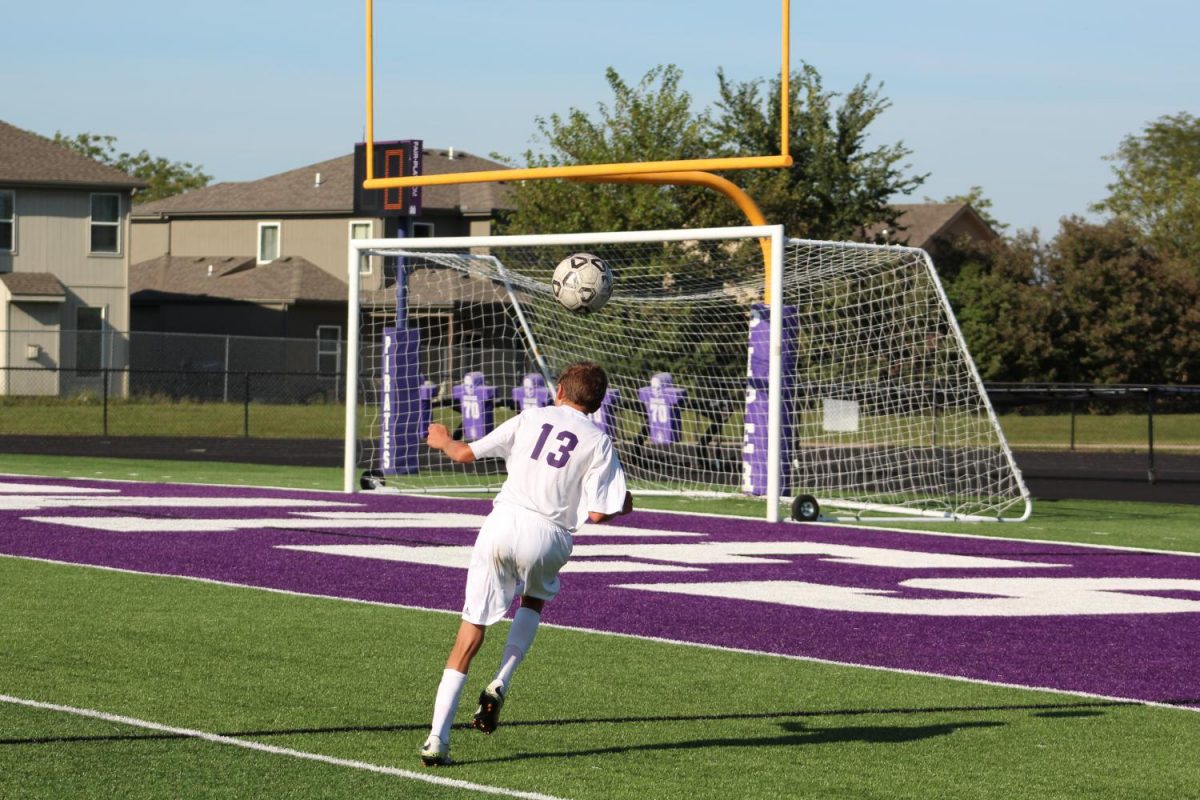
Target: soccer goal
[{"x": 741, "y": 363}]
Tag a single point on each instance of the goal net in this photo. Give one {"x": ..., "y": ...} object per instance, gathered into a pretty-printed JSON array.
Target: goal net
[{"x": 871, "y": 404}]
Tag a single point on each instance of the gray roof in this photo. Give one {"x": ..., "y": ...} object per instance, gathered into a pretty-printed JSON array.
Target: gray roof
[
  {"x": 920, "y": 224},
  {"x": 33, "y": 284},
  {"x": 297, "y": 191},
  {"x": 286, "y": 280},
  {"x": 436, "y": 288},
  {"x": 29, "y": 159}
]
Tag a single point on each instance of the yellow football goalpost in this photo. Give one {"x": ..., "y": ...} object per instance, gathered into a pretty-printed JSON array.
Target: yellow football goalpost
[
  {"x": 685, "y": 172},
  {"x": 587, "y": 171}
]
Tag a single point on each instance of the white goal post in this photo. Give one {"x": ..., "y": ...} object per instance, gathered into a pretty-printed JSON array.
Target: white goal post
[{"x": 845, "y": 382}]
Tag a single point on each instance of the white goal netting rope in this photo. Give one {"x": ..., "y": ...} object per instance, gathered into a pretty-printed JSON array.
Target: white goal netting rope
[{"x": 882, "y": 407}]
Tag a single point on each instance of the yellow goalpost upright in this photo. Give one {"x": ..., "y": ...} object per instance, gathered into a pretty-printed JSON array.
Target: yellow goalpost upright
[{"x": 594, "y": 171}]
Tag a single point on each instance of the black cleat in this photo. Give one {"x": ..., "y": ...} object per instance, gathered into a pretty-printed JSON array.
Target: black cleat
[{"x": 491, "y": 700}]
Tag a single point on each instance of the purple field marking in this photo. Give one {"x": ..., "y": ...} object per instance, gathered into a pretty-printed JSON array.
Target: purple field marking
[{"x": 1150, "y": 657}]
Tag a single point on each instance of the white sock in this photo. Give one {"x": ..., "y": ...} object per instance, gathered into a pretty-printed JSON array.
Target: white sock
[
  {"x": 446, "y": 702},
  {"x": 520, "y": 639}
]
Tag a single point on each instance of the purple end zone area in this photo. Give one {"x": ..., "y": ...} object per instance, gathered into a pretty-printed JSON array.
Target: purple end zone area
[{"x": 1118, "y": 623}]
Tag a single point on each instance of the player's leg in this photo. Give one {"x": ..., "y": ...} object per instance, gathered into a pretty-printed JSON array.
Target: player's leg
[
  {"x": 543, "y": 551},
  {"x": 466, "y": 645},
  {"x": 520, "y": 637},
  {"x": 436, "y": 750},
  {"x": 489, "y": 592}
]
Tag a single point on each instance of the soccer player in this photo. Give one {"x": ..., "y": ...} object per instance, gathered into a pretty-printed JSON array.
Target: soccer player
[{"x": 562, "y": 471}]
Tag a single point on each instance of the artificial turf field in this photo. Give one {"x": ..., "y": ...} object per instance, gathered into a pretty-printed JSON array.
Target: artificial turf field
[{"x": 591, "y": 715}]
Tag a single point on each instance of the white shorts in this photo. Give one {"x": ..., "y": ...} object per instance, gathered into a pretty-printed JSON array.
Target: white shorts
[{"x": 515, "y": 547}]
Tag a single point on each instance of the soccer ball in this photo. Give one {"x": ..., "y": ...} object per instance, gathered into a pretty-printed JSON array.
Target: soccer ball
[{"x": 582, "y": 283}]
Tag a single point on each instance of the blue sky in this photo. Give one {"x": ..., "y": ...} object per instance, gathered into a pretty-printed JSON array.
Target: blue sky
[{"x": 1022, "y": 98}]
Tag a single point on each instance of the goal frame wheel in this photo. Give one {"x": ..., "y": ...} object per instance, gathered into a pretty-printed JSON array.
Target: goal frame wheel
[
  {"x": 805, "y": 508},
  {"x": 371, "y": 479}
]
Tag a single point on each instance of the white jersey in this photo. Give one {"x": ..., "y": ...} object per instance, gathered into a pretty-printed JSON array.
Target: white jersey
[{"x": 560, "y": 465}]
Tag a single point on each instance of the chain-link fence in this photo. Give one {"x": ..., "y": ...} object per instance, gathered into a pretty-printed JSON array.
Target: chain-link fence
[
  {"x": 110, "y": 383},
  {"x": 62, "y": 364},
  {"x": 129, "y": 402},
  {"x": 84, "y": 354},
  {"x": 182, "y": 385},
  {"x": 209, "y": 367}
]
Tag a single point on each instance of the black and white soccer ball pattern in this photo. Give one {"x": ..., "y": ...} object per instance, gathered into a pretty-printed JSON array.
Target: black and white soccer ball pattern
[{"x": 582, "y": 283}]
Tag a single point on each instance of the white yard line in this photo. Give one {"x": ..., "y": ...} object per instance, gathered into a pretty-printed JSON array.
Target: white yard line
[{"x": 247, "y": 744}]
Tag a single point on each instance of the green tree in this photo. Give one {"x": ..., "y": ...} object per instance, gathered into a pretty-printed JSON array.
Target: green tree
[
  {"x": 163, "y": 177},
  {"x": 1157, "y": 186},
  {"x": 1094, "y": 305},
  {"x": 838, "y": 186},
  {"x": 1004, "y": 308},
  {"x": 1126, "y": 314},
  {"x": 650, "y": 121}
]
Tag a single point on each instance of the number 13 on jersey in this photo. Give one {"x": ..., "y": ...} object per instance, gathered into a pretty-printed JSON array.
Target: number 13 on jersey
[{"x": 557, "y": 458}]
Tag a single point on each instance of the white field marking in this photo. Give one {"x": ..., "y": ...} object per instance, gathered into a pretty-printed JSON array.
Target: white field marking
[
  {"x": 780, "y": 551},
  {"x": 619, "y": 635},
  {"x": 460, "y": 557},
  {"x": 315, "y": 520},
  {"x": 248, "y": 744},
  {"x": 834, "y": 526},
  {"x": 622, "y": 531},
  {"x": 38, "y": 488},
  {"x": 305, "y": 520},
  {"x": 439, "y": 519},
  {"x": 667, "y": 557},
  {"x": 200, "y": 525},
  {"x": 424, "y": 519},
  {"x": 585, "y": 566},
  {"x": 1011, "y": 597},
  {"x": 40, "y": 502},
  {"x": 868, "y": 526}
]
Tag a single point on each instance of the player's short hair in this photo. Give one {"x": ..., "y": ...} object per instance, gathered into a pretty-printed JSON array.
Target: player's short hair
[{"x": 584, "y": 384}]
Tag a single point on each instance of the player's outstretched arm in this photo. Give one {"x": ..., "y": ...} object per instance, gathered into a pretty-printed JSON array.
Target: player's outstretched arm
[
  {"x": 439, "y": 439},
  {"x": 626, "y": 507}
]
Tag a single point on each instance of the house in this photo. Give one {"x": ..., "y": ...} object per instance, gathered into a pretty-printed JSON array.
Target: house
[
  {"x": 64, "y": 264},
  {"x": 922, "y": 225},
  {"x": 268, "y": 257}
]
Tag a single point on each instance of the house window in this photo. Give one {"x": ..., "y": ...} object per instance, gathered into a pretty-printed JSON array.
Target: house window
[
  {"x": 8, "y": 222},
  {"x": 362, "y": 230},
  {"x": 106, "y": 223},
  {"x": 89, "y": 352},
  {"x": 329, "y": 349},
  {"x": 422, "y": 230},
  {"x": 268, "y": 242}
]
